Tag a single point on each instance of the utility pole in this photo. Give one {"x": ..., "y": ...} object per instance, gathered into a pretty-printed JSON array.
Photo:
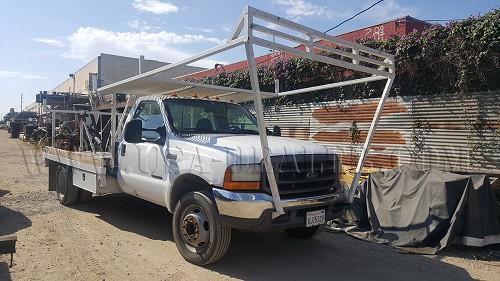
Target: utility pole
[
  {"x": 72, "y": 75},
  {"x": 21, "y": 102}
]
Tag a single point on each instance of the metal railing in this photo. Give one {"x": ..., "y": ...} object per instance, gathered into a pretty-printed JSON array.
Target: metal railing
[{"x": 248, "y": 33}]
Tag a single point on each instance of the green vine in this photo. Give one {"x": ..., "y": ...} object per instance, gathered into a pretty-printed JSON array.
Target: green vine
[
  {"x": 483, "y": 139},
  {"x": 354, "y": 136},
  {"x": 354, "y": 133},
  {"x": 462, "y": 57},
  {"x": 419, "y": 129}
]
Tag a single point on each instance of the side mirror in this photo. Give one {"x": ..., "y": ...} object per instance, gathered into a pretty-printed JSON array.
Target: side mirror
[
  {"x": 159, "y": 137},
  {"x": 133, "y": 131},
  {"x": 276, "y": 131},
  {"x": 162, "y": 132}
]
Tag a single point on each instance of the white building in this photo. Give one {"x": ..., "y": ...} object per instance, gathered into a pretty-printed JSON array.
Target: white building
[{"x": 107, "y": 69}]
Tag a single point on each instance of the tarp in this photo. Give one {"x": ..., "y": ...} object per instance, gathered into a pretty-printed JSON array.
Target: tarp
[{"x": 424, "y": 210}]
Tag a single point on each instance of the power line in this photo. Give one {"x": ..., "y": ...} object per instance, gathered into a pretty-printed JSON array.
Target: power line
[
  {"x": 357, "y": 14},
  {"x": 443, "y": 20}
]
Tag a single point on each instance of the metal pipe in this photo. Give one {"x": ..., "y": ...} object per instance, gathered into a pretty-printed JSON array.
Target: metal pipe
[
  {"x": 89, "y": 138},
  {"x": 254, "y": 80},
  {"x": 78, "y": 111},
  {"x": 317, "y": 57},
  {"x": 74, "y": 84},
  {"x": 208, "y": 53},
  {"x": 141, "y": 63},
  {"x": 53, "y": 129},
  {"x": 280, "y": 21},
  {"x": 368, "y": 140},
  {"x": 124, "y": 115},
  {"x": 113, "y": 129},
  {"x": 333, "y": 85},
  {"x": 240, "y": 26},
  {"x": 81, "y": 133}
]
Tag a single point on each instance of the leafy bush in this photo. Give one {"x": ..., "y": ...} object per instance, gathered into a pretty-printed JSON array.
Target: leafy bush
[{"x": 462, "y": 57}]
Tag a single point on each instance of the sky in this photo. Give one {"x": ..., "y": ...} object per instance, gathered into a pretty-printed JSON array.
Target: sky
[{"x": 43, "y": 41}]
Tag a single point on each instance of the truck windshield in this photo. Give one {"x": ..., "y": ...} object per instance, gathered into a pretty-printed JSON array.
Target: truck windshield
[{"x": 190, "y": 116}]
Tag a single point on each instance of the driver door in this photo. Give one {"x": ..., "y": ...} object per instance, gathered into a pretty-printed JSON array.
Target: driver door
[{"x": 141, "y": 166}]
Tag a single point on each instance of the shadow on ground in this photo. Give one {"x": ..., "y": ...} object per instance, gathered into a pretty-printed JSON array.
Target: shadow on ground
[
  {"x": 11, "y": 221},
  {"x": 274, "y": 256},
  {"x": 131, "y": 214},
  {"x": 4, "y": 271}
]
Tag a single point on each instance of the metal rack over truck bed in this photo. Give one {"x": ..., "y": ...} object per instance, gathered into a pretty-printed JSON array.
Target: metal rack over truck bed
[{"x": 251, "y": 30}]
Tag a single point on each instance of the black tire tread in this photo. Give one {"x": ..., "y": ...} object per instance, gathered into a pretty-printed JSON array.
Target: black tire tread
[
  {"x": 224, "y": 244},
  {"x": 71, "y": 195},
  {"x": 224, "y": 238}
]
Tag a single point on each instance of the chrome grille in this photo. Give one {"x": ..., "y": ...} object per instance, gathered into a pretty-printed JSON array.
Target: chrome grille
[{"x": 307, "y": 174}]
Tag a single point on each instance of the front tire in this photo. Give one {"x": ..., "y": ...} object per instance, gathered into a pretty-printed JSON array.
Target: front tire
[
  {"x": 304, "y": 232},
  {"x": 198, "y": 233},
  {"x": 67, "y": 193}
]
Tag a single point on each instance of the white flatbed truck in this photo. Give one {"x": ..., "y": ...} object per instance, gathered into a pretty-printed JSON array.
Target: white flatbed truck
[{"x": 209, "y": 161}]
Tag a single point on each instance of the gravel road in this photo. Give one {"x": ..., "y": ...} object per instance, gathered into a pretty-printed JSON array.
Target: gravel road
[{"x": 119, "y": 237}]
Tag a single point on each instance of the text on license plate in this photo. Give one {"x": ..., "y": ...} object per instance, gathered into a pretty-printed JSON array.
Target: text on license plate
[{"x": 315, "y": 218}]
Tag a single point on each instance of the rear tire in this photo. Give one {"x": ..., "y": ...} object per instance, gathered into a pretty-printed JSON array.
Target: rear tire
[
  {"x": 67, "y": 193},
  {"x": 304, "y": 232},
  {"x": 198, "y": 233}
]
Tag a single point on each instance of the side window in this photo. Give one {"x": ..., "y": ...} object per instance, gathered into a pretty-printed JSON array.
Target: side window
[
  {"x": 238, "y": 120},
  {"x": 187, "y": 117},
  {"x": 150, "y": 115}
]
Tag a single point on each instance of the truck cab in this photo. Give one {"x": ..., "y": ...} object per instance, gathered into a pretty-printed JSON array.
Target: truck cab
[{"x": 201, "y": 159}]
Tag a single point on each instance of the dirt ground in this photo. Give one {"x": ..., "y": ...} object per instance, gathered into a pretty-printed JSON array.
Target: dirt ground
[{"x": 122, "y": 238}]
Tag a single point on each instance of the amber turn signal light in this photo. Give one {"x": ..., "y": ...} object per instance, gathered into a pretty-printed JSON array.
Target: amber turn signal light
[{"x": 238, "y": 185}]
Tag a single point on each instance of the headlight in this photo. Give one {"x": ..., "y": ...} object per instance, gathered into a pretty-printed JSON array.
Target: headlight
[{"x": 243, "y": 177}]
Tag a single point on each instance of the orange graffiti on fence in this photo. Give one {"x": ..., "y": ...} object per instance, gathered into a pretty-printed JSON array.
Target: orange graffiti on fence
[
  {"x": 355, "y": 112},
  {"x": 380, "y": 137},
  {"x": 298, "y": 133},
  {"x": 372, "y": 161}
]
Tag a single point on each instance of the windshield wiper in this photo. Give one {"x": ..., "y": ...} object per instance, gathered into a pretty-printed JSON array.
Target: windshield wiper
[
  {"x": 208, "y": 131},
  {"x": 201, "y": 131},
  {"x": 193, "y": 131},
  {"x": 244, "y": 131}
]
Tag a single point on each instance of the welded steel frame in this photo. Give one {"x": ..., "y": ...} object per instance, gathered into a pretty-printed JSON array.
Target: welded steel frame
[
  {"x": 378, "y": 64},
  {"x": 83, "y": 129}
]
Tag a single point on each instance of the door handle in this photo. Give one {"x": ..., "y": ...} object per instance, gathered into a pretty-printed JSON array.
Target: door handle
[
  {"x": 156, "y": 177},
  {"x": 124, "y": 148}
]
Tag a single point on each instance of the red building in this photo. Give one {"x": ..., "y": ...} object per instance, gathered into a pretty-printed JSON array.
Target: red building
[{"x": 383, "y": 31}]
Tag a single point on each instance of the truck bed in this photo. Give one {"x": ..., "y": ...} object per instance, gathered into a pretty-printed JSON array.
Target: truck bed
[
  {"x": 92, "y": 162},
  {"x": 90, "y": 171}
]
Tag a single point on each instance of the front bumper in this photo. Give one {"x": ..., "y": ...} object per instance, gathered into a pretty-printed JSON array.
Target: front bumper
[{"x": 253, "y": 211}]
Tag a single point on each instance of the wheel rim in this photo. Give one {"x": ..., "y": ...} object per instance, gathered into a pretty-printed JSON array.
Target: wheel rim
[
  {"x": 195, "y": 229},
  {"x": 61, "y": 186}
]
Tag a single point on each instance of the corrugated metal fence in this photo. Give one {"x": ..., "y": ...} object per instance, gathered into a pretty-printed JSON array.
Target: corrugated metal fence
[{"x": 447, "y": 132}]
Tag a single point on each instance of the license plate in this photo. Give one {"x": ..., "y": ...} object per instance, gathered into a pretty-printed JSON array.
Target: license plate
[{"x": 315, "y": 218}]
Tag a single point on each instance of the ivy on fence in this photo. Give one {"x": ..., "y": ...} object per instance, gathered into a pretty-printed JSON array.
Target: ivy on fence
[{"x": 462, "y": 57}]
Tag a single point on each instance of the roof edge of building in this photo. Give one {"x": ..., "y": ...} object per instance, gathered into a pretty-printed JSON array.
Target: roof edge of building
[{"x": 382, "y": 23}]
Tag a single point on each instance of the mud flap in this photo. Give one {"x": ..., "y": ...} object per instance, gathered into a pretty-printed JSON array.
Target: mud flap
[{"x": 52, "y": 175}]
